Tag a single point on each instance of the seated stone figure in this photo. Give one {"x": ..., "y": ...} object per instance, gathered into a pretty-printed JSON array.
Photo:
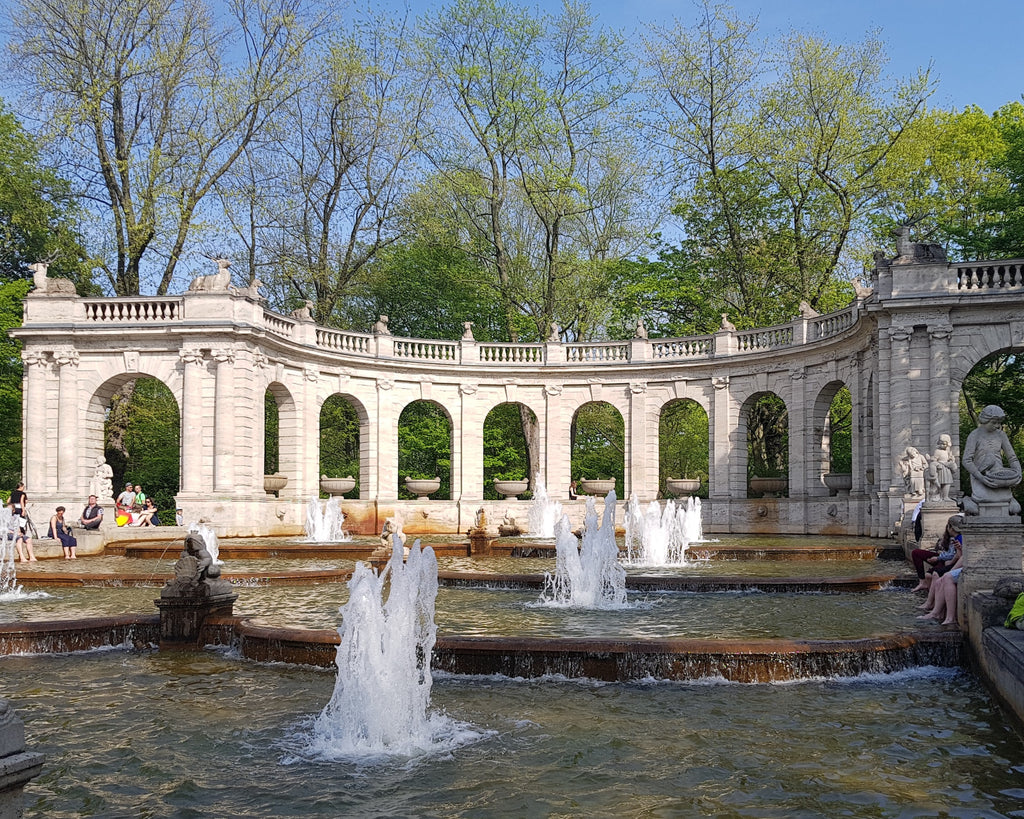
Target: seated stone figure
[{"x": 992, "y": 464}]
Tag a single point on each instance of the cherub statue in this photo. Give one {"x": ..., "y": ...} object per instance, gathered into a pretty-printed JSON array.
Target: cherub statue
[
  {"x": 941, "y": 472},
  {"x": 911, "y": 466}
]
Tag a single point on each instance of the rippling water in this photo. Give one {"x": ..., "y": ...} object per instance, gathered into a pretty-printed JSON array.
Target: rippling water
[{"x": 174, "y": 735}]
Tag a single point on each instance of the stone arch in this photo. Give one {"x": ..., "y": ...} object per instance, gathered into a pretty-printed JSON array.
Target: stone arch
[
  {"x": 821, "y": 425},
  {"x": 363, "y": 467},
  {"x": 289, "y": 431},
  {"x": 688, "y": 417},
  {"x": 425, "y": 413},
  {"x": 91, "y": 441},
  {"x": 515, "y": 439},
  {"x": 776, "y": 454},
  {"x": 594, "y": 441}
]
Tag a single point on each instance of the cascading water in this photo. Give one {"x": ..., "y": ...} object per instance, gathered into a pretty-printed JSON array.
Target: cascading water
[
  {"x": 209, "y": 538},
  {"x": 544, "y": 513},
  {"x": 8, "y": 574},
  {"x": 588, "y": 573},
  {"x": 382, "y": 692},
  {"x": 661, "y": 536},
  {"x": 325, "y": 525}
]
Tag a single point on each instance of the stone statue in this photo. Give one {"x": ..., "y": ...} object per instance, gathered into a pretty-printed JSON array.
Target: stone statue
[
  {"x": 641, "y": 331},
  {"x": 508, "y": 526},
  {"x": 196, "y": 574},
  {"x": 44, "y": 284},
  {"x": 861, "y": 291},
  {"x": 480, "y": 520},
  {"x": 102, "y": 483},
  {"x": 392, "y": 529},
  {"x": 992, "y": 464},
  {"x": 806, "y": 311},
  {"x": 217, "y": 282},
  {"x": 941, "y": 473},
  {"x": 467, "y": 331},
  {"x": 304, "y": 313},
  {"x": 727, "y": 325},
  {"x": 554, "y": 333},
  {"x": 380, "y": 327},
  {"x": 253, "y": 290},
  {"x": 911, "y": 466}
]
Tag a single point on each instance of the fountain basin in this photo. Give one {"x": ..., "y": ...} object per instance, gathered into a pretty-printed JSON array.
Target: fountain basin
[
  {"x": 682, "y": 487},
  {"x": 596, "y": 486},
  {"x": 838, "y": 483},
  {"x": 337, "y": 486},
  {"x": 510, "y": 489},
  {"x": 422, "y": 488},
  {"x": 769, "y": 487},
  {"x": 273, "y": 484}
]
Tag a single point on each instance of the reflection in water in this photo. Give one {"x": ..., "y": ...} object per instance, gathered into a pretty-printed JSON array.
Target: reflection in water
[{"x": 149, "y": 734}]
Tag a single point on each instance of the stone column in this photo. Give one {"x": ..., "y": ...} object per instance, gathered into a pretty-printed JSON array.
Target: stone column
[
  {"x": 720, "y": 478},
  {"x": 308, "y": 467},
  {"x": 805, "y": 445},
  {"x": 641, "y": 464},
  {"x": 944, "y": 411},
  {"x": 468, "y": 483},
  {"x": 224, "y": 413},
  {"x": 387, "y": 441},
  {"x": 69, "y": 483},
  {"x": 192, "y": 417},
  {"x": 34, "y": 426},
  {"x": 900, "y": 432},
  {"x": 558, "y": 460}
]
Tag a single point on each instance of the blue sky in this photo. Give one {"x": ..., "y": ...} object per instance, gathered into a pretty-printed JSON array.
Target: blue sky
[{"x": 974, "y": 46}]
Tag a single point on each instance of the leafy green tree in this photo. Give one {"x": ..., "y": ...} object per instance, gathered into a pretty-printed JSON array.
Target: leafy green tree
[
  {"x": 151, "y": 110},
  {"x": 271, "y": 434},
  {"x": 149, "y": 451},
  {"x": 12, "y": 295},
  {"x": 684, "y": 443},
  {"x": 424, "y": 446},
  {"x": 598, "y": 444},
  {"x": 768, "y": 437},
  {"x": 505, "y": 455},
  {"x": 339, "y": 440}
]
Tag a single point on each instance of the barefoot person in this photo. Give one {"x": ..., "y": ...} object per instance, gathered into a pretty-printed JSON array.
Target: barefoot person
[{"x": 60, "y": 530}]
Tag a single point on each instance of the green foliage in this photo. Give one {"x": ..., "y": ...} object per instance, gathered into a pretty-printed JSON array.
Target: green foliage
[
  {"x": 339, "y": 441},
  {"x": 768, "y": 438},
  {"x": 840, "y": 417},
  {"x": 424, "y": 446},
  {"x": 152, "y": 444},
  {"x": 504, "y": 448},
  {"x": 271, "y": 435},
  {"x": 12, "y": 295},
  {"x": 684, "y": 444},
  {"x": 997, "y": 379},
  {"x": 38, "y": 216},
  {"x": 599, "y": 444}
]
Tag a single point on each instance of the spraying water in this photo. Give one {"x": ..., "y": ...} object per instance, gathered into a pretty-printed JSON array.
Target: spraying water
[
  {"x": 544, "y": 513},
  {"x": 8, "y": 574},
  {"x": 325, "y": 525},
  {"x": 209, "y": 538},
  {"x": 661, "y": 537},
  {"x": 588, "y": 573},
  {"x": 382, "y": 692}
]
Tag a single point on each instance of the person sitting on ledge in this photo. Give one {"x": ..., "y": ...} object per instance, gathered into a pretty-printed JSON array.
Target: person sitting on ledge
[
  {"x": 941, "y": 557},
  {"x": 92, "y": 515},
  {"x": 147, "y": 517},
  {"x": 125, "y": 500},
  {"x": 60, "y": 529}
]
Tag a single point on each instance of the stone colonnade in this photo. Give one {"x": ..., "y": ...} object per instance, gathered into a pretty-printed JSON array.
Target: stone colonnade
[{"x": 902, "y": 350}]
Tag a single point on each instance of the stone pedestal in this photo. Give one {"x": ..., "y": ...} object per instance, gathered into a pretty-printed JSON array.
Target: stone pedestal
[
  {"x": 182, "y": 618},
  {"x": 479, "y": 542},
  {"x": 17, "y": 765},
  {"x": 993, "y": 549},
  {"x": 934, "y": 515}
]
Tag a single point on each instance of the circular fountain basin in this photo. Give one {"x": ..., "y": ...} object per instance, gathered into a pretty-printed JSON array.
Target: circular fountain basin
[{"x": 204, "y": 734}]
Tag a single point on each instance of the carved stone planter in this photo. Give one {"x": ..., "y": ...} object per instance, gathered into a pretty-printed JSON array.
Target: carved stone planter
[
  {"x": 337, "y": 486},
  {"x": 272, "y": 484},
  {"x": 838, "y": 483},
  {"x": 422, "y": 488},
  {"x": 682, "y": 487},
  {"x": 769, "y": 487},
  {"x": 510, "y": 489},
  {"x": 596, "y": 486}
]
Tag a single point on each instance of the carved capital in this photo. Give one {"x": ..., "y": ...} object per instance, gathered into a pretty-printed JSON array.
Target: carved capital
[
  {"x": 384, "y": 384},
  {"x": 223, "y": 355},
  {"x": 720, "y": 382},
  {"x": 637, "y": 387},
  {"x": 260, "y": 360},
  {"x": 468, "y": 389},
  {"x": 940, "y": 331},
  {"x": 798, "y": 374},
  {"x": 35, "y": 358},
  {"x": 191, "y": 355},
  {"x": 900, "y": 332},
  {"x": 311, "y": 374},
  {"x": 66, "y": 358},
  {"x": 553, "y": 389}
]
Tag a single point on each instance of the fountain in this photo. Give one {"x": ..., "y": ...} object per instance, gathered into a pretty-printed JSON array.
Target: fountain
[
  {"x": 588, "y": 573},
  {"x": 205, "y": 531},
  {"x": 661, "y": 537},
  {"x": 325, "y": 525},
  {"x": 382, "y": 691},
  {"x": 544, "y": 513},
  {"x": 8, "y": 574}
]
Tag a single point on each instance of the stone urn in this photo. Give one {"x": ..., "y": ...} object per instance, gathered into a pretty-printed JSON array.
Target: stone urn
[
  {"x": 682, "y": 487},
  {"x": 769, "y": 487},
  {"x": 422, "y": 488},
  {"x": 337, "y": 486},
  {"x": 838, "y": 483},
  {"x": 272, "y": 484},
  {"x": 510, "y": 489},
  {"x": 596, "y": 486}
]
